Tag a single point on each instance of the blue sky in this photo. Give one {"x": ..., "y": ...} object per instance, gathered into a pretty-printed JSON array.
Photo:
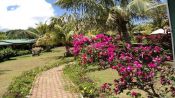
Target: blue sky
[
  {"x": 21, "y": 14},
  {"x": 57, "y": 10}
]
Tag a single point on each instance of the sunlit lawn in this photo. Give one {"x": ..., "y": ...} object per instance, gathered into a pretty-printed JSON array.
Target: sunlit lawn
[
  {"x": 103, "y": 76},
  {"x": 13, "y": 68},
  {"x": 108, "y": 76}
]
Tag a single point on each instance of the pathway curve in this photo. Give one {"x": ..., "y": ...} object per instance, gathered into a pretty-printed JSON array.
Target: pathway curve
[{"x": 50, "y": 84}]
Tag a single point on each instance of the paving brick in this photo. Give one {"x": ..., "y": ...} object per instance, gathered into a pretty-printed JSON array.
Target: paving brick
[{"x": 50, "y": 84}]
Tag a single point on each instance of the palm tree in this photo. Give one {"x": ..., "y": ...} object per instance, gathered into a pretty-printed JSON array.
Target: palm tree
[
  {"x": 64, "y": 27},
  {"x": 42, "y": 28},
  {"x": 118, "y": 13},
  {"x": 158, "y": 14},
  {"x": 93, "y": 13}
]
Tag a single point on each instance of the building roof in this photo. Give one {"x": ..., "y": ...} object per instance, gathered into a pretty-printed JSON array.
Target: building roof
[
  {"x": 16, "y": 41},
  {"x": 5, "y": 44}
]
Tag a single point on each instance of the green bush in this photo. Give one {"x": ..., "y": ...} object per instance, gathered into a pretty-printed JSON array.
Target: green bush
[
  {"x": 6, "y": 53},
  {"x": 22, "y": 52}
]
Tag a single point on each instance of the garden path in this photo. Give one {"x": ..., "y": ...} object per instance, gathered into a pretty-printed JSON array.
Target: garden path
[
  {"x": 17, "y": 65},
  {"x": 51, "y": 84}
]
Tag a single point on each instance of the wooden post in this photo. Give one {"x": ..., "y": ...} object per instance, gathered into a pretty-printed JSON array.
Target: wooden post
[{"x": 171, "y": 12}]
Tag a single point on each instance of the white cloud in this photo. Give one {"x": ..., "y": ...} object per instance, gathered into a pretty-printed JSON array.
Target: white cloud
[{"x": 27, "y": 14}]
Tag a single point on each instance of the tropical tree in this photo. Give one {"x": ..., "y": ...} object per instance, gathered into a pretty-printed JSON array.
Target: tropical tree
[
  {"x": 158, "y": 14},
  {"x": 93, "y": 13},
  {"x": 64, "y": 27},
  {"x": 3, "y": 36},
  {"x": 41, "y": 28},
  {"x": 48, "y": 40},
  {"x": 117, "y": 13}
]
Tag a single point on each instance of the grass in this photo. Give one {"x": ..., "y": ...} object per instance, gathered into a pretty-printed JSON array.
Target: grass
[
  {"x": 77, "y": 75},
  {"x": 17, "y": 65},
  {"x": 21, "y": 85},
  {"x": 108, "y": 76},
  {"x": 103, "y": 76}
]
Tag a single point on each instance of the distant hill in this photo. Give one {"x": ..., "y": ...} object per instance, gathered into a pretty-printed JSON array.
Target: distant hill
[{"x": 20, "y": 34}]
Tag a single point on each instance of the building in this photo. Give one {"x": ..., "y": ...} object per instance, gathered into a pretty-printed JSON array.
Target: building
[{"x": 17, "y": 43}]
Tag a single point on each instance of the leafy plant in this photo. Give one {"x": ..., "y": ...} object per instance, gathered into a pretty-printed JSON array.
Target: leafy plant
[
  {"x": 6, "y": 53},
  {"x": 138, "y": 66},
  {"x": 22, "y": 52}
]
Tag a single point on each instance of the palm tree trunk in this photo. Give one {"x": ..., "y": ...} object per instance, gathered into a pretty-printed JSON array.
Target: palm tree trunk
[{"x": 125, "y": 33}]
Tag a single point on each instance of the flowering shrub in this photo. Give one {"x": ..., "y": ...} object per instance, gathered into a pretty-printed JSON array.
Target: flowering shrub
[
  {"x": 99, "y": 49},
  {"x": 138, "y": 66}
]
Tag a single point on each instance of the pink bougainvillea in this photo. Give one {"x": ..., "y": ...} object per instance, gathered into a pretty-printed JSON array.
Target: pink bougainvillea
[{"x": 137, "y": 66}]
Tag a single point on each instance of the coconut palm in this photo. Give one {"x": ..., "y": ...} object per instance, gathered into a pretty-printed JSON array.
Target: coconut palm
[
  {"x": 93, "y": 13},
  {"x": 158, "y": 14},
  {"x": 118, "y": 13},
  {"x": 42, "y": 28},
  {"x": 64, "y": 27}
]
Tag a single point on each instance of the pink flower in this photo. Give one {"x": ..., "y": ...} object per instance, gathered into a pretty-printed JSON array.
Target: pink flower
[
  {"x": 157, "y": 49},
  {"x": 168, "y": 58},
  {"x": 114, "y": 67},
  {"x": 116, "y": 90},
  {"x": 128, "y": 46},
  {"x": 137, "y": 64},
  {"x": 111, "y": 58},
  {"x": 152, "y": 65},
  {"x": 122, "y": 56},
  {"x": 139, "y": 73},
  {"x": 134, "y": 94},
  {"x": 151, "y": 74},
  {"x": 157, "y": 59},
  {"x": 122, "y": 70},
  {"x": 129, "y": 68}
]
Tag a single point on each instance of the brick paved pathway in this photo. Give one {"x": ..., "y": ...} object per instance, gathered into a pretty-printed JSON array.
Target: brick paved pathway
[{"x": 50, "y": 84}]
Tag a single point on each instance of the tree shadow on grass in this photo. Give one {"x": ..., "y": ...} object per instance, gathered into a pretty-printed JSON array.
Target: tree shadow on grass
[
  {"x": 3, "y": 71},
  {"x": 93, "y": 69},
  {"x": 10, "y": 59}
]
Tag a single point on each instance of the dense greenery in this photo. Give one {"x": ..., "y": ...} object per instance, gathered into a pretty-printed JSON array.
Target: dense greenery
[
  {"x": 22, "y": 52},
  {"x": 7, "y": 53},
  {"x": 2, "y": 36},
  {"x": 118, "y": 14}
]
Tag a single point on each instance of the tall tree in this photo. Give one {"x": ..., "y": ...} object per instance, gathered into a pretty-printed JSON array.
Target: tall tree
[
  {"x": 117, "y": 13},
  {"x": 64, "y": 27}
]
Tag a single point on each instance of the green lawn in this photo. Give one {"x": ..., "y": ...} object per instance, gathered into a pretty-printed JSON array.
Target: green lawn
[
  {"x": 108, "y": 76},
  {"x": 103, "y": 76},
  {"x": 13, "y": 68}
]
